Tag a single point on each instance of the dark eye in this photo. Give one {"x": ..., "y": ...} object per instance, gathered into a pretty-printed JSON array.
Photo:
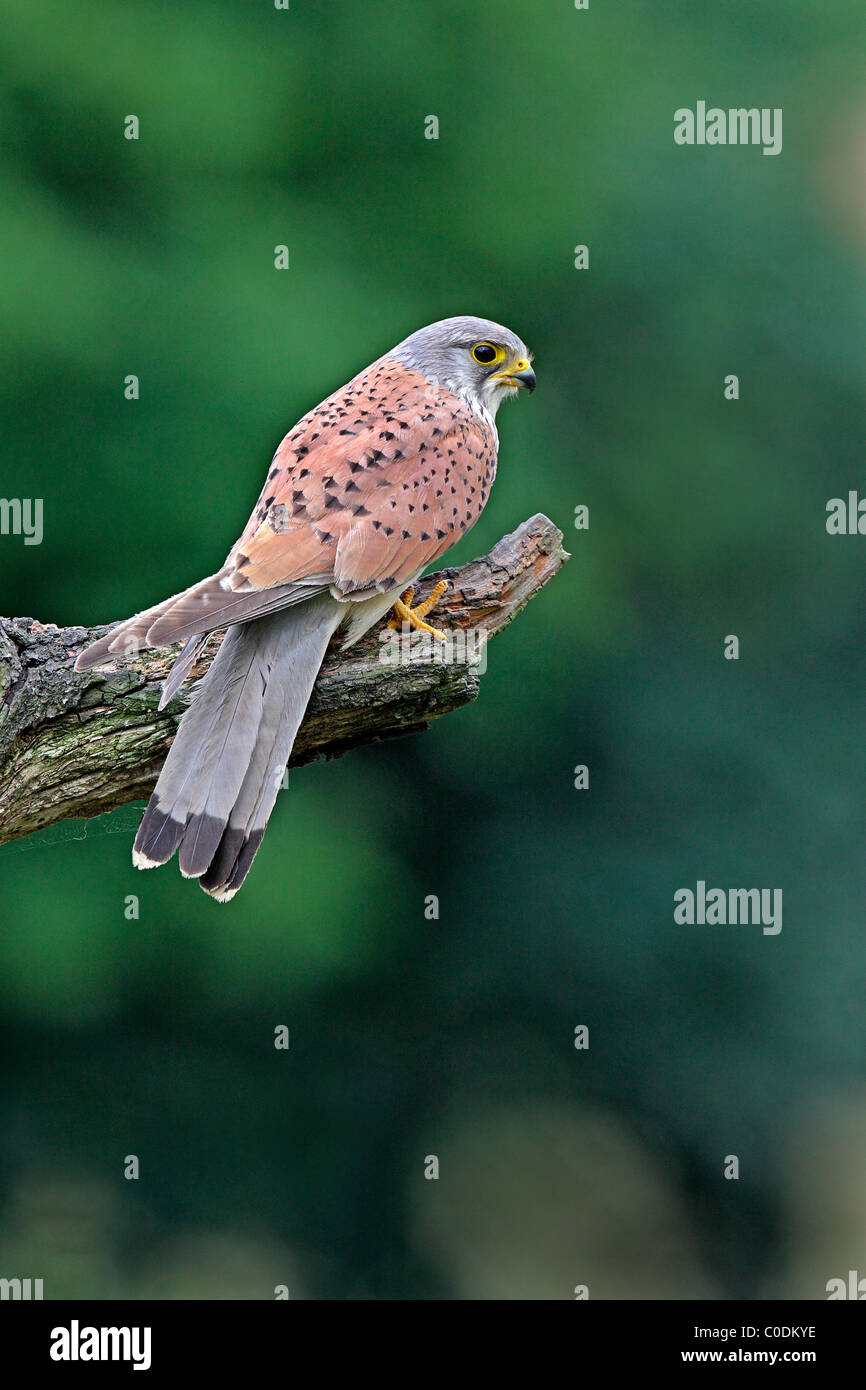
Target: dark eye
[{"x": 484, "y": 352}]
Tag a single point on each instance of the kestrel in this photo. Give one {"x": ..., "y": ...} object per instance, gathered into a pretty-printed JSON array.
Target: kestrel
[{"x": 362, "y": 495}]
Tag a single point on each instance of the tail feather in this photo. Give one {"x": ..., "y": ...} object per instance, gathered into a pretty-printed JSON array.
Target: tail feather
[
  {"x": 221, "y": 777},
  {"x": 184, "y": 663},
  {"x": 224, "y": 892},
  {"x": 190, "y": 767},
  {"x": 245, "y": 827}
]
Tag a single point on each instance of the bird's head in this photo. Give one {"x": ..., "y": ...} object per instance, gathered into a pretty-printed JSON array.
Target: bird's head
[{"x": 479, "y": 360}]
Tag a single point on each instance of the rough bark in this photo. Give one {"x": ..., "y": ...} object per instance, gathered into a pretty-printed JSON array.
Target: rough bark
[{"x": 79, "y": 745}]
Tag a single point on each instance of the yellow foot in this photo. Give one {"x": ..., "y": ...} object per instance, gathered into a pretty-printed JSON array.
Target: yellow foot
[{"x": 415, "y": 616}]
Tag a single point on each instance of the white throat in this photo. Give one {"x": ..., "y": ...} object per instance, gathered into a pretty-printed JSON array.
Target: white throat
[{"x": 484, "y": 410}]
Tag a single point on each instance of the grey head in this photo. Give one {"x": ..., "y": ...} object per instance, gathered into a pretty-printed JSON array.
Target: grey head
[{"x": 479, "y": 360}]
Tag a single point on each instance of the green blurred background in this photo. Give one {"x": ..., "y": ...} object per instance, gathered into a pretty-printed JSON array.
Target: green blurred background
[{"x": 454, "y": 1037}]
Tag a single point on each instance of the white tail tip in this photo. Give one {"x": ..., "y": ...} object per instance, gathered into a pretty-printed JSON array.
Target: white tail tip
[{"x": 141, "y": 861}]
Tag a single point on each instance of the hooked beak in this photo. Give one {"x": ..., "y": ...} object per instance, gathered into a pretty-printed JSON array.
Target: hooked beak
[{"x": 524, "y": 376}]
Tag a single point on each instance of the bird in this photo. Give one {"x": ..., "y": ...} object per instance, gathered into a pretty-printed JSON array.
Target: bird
[{"x": 367, "y": 490}]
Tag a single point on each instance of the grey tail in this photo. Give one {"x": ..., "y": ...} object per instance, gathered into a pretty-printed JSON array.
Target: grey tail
[{"x": 220, "y": 780}]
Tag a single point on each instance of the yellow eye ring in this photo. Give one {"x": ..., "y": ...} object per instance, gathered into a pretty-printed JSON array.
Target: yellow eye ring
[{"x": 487, "y": 354}]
